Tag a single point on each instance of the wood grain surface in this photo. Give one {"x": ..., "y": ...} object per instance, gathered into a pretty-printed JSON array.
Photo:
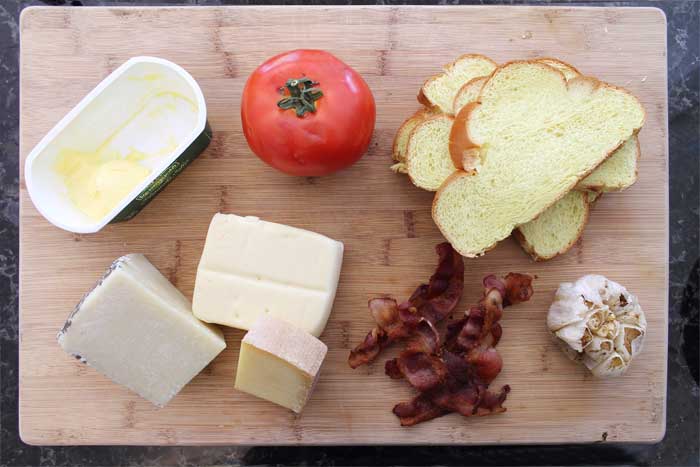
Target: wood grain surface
[{"x": 383, "y": 220}]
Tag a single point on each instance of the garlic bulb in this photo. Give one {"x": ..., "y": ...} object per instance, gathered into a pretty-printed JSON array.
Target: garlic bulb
[{"x": 598, "y": 322}]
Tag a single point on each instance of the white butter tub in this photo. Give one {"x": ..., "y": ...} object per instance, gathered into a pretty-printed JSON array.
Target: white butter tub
[{"x": 123, "y": 112}]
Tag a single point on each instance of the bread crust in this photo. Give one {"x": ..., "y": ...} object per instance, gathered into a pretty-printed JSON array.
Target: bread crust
[
  {"x": 466, "y": 143},
  {"x": 561, "y": 62},
  {"x": 462, "y": 149},
  {"x": 421, "y": 114},
  {"x": 458, "y": 174},
  {"x": 465, "y": 86},
  {"x": 604, "y": 188},
  {"x": 410, "y": 139},
  {"x": 423, "y": 99},
  {"x": 461, "y": 173},
  {"x": 530, "y": 249}
]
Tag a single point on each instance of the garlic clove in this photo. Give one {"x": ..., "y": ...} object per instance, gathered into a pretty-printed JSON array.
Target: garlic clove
[
  {"x": 595, "y": 320},
  {"x": 600, "y": 348},
  {"x": 633, "y": 317},
  {"x": 567, "y": 310},
  {"x": 609, "y": 329},
  {"x": 629, "y": 341},
  {"x": 576, "y": 335},
  {"x": 593, "y": 287},
  {"x": 613, "y": 365}
]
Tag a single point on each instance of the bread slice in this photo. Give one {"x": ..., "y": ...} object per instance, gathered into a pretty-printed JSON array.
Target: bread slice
[
  {"x": 557, "y": 229},
  {"x": 401, "y": 139},
  {"x": 428, "y": 155},
  {"x": 400, "y": 144},
  {"x": 618, "y": 172},
  {"x": 531, "y": 137},
  {"x": 468, "y": 93},
  {"x": 439, "y": 91},
  {"x": 431, "y": 163}
]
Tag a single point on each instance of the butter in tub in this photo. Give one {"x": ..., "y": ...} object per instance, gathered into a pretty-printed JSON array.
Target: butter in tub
[{"x": 123, "y": 143}]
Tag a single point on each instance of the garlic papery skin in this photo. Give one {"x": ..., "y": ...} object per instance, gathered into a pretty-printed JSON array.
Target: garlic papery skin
[{"x": 598, "y": 322}]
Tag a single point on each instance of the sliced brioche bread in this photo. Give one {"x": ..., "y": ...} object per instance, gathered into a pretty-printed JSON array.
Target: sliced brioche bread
[
  {"x": 557, "y": 229},
  {"x": 430, "y": 165},
  {"x": 400, "y": 144},
  {"x": 618, "y": 172},
  {"x": 468, "y": 93},
  {"x": 401, "y": 139},
  {"x": 439, "y": 91},
  {"x": 531, "y": 137},
  {"x": 569, "y": 71},
  {"x": 428, "y": 154}
]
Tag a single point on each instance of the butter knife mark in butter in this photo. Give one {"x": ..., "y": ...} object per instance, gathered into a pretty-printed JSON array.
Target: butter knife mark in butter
[{"x": 96, "y": 182}]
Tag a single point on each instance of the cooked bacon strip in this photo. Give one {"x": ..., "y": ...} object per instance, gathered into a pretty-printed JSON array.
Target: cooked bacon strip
[
  {"x": 492, "y": 403},
  {"x": 518, "y": 288},
  {"x": 431, "y": 302},
  {"x": 418, "y": 363},
  {"x": 369, "y": 349},
  {"x": 425, "y": 338},
  {"x": 488, "y": 363},
  {"x": 466, "y": 400},
  {"x": 420, "y": 409},
  {"x": 455, "y": 378},
  {"x": 438, "y": 298},
  {"x": 389, "y": 327},
  {"x": 385, "y": 312},
  {"x": 422, "y": 370}
]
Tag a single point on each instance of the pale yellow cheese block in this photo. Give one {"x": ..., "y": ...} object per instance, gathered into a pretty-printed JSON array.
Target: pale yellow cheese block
[
  {"x": 279, "y": 362},
  {"x": 137, "y": 329},
  {"x": 251, "y": 267}
]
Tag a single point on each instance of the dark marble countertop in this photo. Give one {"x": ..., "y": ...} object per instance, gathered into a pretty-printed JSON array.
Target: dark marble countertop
[{"x": 679, "y": 447}]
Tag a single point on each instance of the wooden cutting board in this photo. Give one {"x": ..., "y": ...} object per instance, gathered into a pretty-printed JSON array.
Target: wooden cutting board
[{"x": 383, "y": 220}]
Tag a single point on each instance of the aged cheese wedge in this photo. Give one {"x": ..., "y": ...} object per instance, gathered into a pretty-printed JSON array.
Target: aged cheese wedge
[
  {"x": 137, "y": 329},
  {"x": 279, "y": 362},
  {"x": 251, "y": 267}
]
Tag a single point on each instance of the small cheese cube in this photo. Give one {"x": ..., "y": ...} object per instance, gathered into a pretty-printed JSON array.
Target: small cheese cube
[
  {"x": 250, "y": 267},
  {"x": 279, "y": 362},
  {"x": 137, "y": 329}
]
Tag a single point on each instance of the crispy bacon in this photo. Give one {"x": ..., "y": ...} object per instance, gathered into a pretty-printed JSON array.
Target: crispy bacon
[
  {"x": 518, "y": 288},
  {"x": 418, "y": 363},
  {"x": 419, "y": 409},
  {"x": 429, "y": 303},
  {"x": 456, "y": 376},
  {"x": 422, "y": 370}
]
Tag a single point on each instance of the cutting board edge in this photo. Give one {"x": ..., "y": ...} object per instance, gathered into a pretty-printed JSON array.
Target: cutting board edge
[{"x": 28, "y": 435}]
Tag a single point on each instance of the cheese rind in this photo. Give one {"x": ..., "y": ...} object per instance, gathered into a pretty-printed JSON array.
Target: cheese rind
[
  {"x": 250, "y": 267},
  {"x": 279, "y": 362},
  {"x": 137, "y": 329}
]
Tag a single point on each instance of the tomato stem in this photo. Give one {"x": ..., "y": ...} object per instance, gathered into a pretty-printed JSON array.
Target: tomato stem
[{"x": 302, "y": 96}]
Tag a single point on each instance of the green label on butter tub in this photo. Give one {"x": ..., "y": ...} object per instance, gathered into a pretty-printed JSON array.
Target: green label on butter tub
[{"x": 166, "y": 176}]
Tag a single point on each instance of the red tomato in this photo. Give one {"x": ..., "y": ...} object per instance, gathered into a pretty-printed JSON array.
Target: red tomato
[{"x": 306, "y": 113}]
